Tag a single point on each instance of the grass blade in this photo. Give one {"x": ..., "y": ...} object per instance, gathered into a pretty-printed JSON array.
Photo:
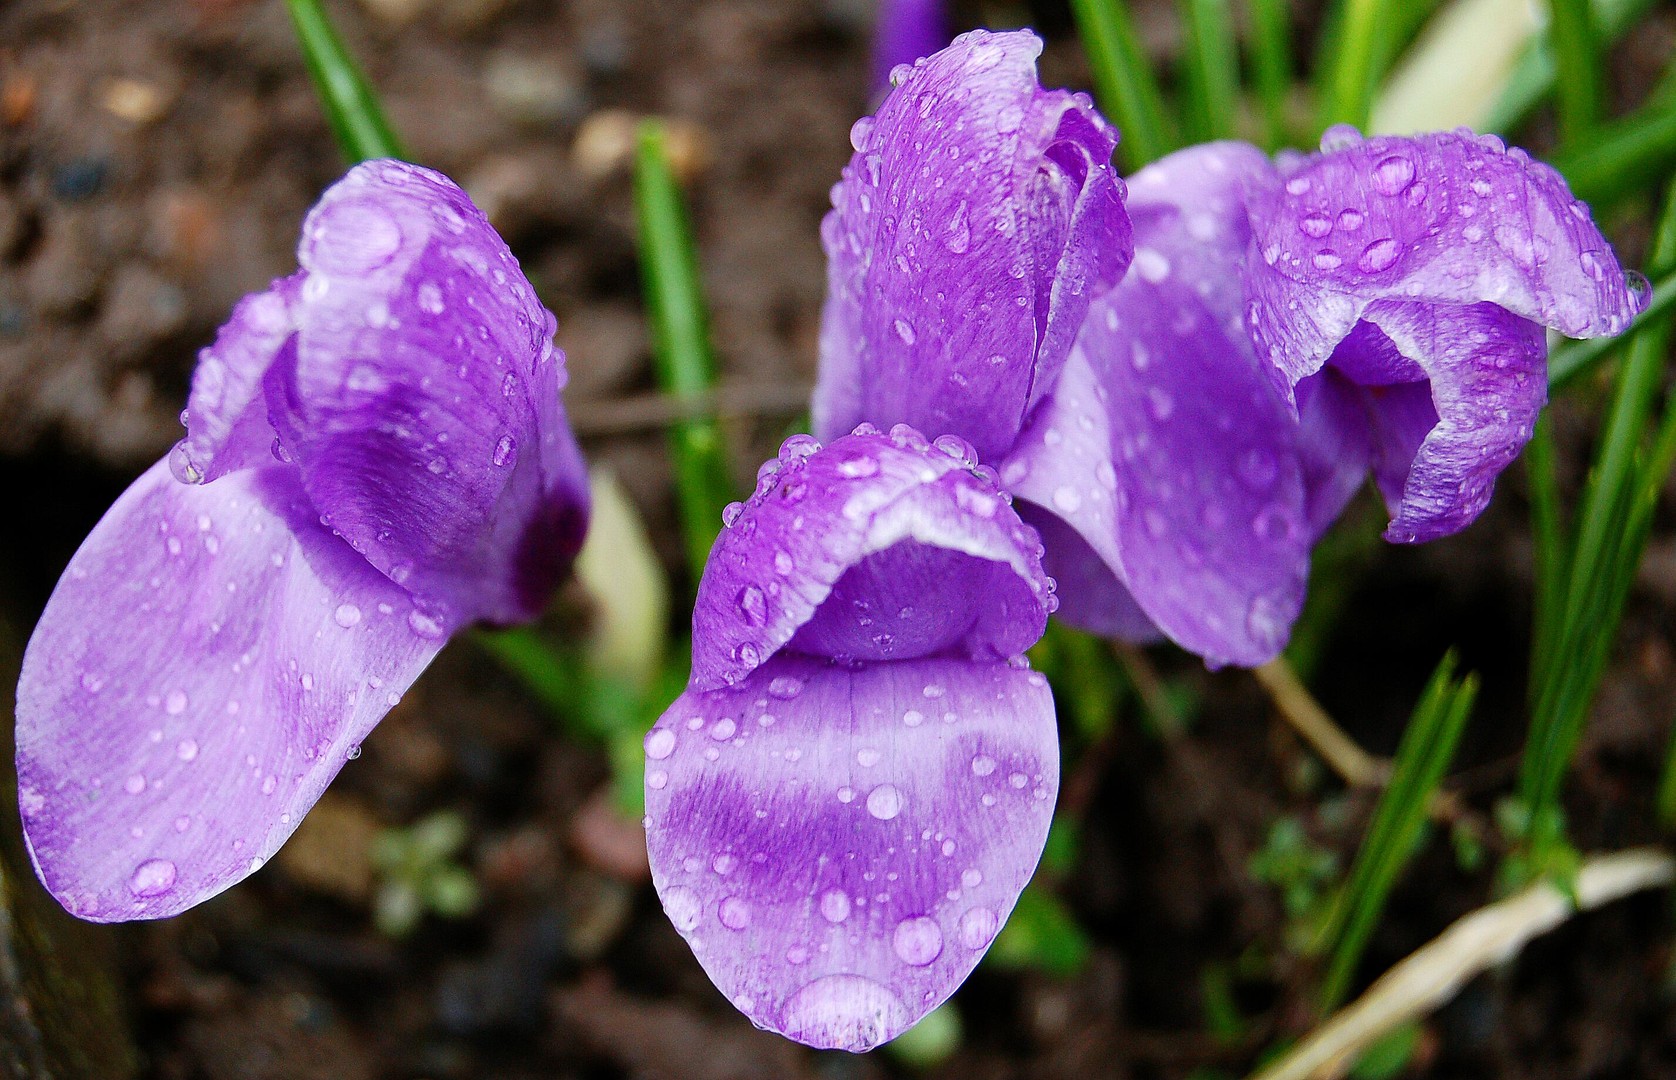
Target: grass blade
[
  {"x": 352, "y": 110},
  {"x": 1351, "y": 68},
  {"x": 1270, "y": 47},
  {"x": 1428, "y": 746},
  {"x": 1577, "y": 64},
  {"x": 1124, "y": 81},
  {"x": 1548, "y": 534},
  {"x": 1533, "y": 79},
  {"x": 1618, "y": 160},
  {"x": 681, "y": 342},
  {"x": 1211, "y": 69}
]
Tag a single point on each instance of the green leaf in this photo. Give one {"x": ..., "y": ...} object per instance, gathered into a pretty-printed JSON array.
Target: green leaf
[
  {"x": 1210, "y": 69},
  {"x": 1388, "y": 1056},
  {"x": 1351, "y": 68},
  {"x": 351, "y": 107},
  {"x": 1123, "y": 81},
  {"x": 681, "y": 343},
  {"x": 1578, "y": 66},
  {"x": 1270, "y": 46},
  {"x": 1606, "y": 164},
  {"x": 1534, "y": 78},
  {"x": 930, "y": 1042},
  {"x": 1427, "y": 747}
]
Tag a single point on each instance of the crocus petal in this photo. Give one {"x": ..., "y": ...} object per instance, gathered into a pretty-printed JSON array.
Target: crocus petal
[
  {"x": 1447, "y": 218},
  {"x": 1165, "y": 444},
  {"x": 874, "y": 521},
  {"x": 978, "y": 217},
  {"x": 410, "y": 375},
  {"x": 840, "y": 845},
  {"x": 208, "y": 662},
  {"x": 1090, "y": 595},
  {"x": 1488, "y": 385},
  {"x": 1335, "y": 445}
]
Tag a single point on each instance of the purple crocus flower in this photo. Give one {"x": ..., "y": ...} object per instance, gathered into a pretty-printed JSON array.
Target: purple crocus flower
[
  {"x": 1400, "y": 287},
  {"x": 843, "y": 807},
  {"x": 376, "y": 455}
]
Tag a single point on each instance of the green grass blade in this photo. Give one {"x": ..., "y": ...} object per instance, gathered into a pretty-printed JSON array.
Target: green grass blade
[
  {"x": 1351, "y": 70},
  {"x": 1574, "y": 358},
  {"x": 1667, "y": 788},
  {"x": 1211, "y": 69},
  {"x": 1270, "y": 46},
  {"x": 681, "y": 342},
  {"x": 1614, "y": 519},
  {"x": 1428, "y": 746},
  {"x": 352, "y": 110},
  {"x": 1610, "y": 163},
  {"x": 1578, "y": 66},
  {"x": 1534, "y": 78},
  {"x": 1124, "y": 81},
  {"x": 1551, "y": 554}
]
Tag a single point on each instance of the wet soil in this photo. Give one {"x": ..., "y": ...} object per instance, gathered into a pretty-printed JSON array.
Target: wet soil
[{"x": 155, "y": 161}]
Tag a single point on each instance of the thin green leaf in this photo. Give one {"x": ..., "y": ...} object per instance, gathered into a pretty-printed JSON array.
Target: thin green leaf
[
  {"x": 681, "y": 342},
  {"x": 1270, "y": 46},
  {"x": 1577, "y": 62},
  {"x": 353, "y": 111},
  {"x": 1211, "y": 69},
  {"x": 1352, "y": 68},
  {"x": 1535, "y": 75},
  {"x": 1427, "y": 747},
  {"x": 1548, "y": 533},
  {"x": 1609, "y": 163},
  {"x": 1124, "y": 81}
]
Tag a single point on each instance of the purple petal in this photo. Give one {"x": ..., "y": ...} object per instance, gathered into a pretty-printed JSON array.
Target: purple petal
[
  {"x": 839, "y": 846},
  {"x": 1335, "y": 445},
  {"x": 905, "y": 31},
  {"x": 875, "y": 547},
  {"x": 1488, "y": 385},
  {"x": 1165, "y": 446},
  {"x": 977, "y": 218},
  {"x": 1090, "y": 595},
  {"x": 1446, "y": 218},
  {"x": 208, "y": 662},
  {"x": 418, "y": 395}
]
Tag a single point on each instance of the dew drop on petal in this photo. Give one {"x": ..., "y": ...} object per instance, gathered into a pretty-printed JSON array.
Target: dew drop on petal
[
  {"x": 785, "y": 687},
  {"x": 734, "y": 913},
  {"x": 835, "y": 906},
  {"x": 1393, "y": 175},
  {"x": 347, "y": 615},
  {"x": 983, "y": 765},
  {"x": 917, "y": 941},
  {"x": 152, "y": 878},
  {"x": 683, "y": 907},
  {"x": 977, "y": 927},
  {"x": 884, "y": 802},
  {"x": 1378, "y": 256},
  {"x": 843, "y": 1012},
  {"x": 175, "y": 703}
]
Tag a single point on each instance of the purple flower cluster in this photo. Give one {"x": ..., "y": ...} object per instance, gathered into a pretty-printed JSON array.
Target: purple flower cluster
[
  {"x": 376, "y": 455},
  {"x": 1175, "y": 388}
]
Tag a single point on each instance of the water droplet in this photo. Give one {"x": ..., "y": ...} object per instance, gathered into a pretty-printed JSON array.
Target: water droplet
[
  {"x": 1066, "y": 499},
  {"x": 730, "y": 514},
  {"x": 884, "y": 802},
  {"x": 835, "y": 906},
  {"x": 918, "y": 941},
  {"x": 724, "y": 863},
  {"x": 983, "y": 765},
  {"x": 977, "y": 928},
  {"x": 183, "y": 467},
  {"x": 752, "y": 605},
  {"x": 734, "y": 913},
  {"x": 959, "y": 235},
  {"x": 867, "y": 757},
  {"x": 425, "y": 625},
  {"x": 504, "y": 451},
  {"x": 1350, "y": 220},
  {"x": 175, "y": 703},
  {"x": 683, "y": 907},
  {"x": 1326, "y": 260},
  {"x": 1393, "y": 175},
  {"x": 785, "y": 687},
  {"x": 134, "y": 784},
  {"x": 905, "y": 331},
  {"x": 186, "y": 750},
  {"x": 1315, "y": 225},
  {"x": 1592, "y": 265},
  {"x": 1160, "y": 403},
  {"x": 724, "y": 729},
  {"x": 1378, "y": 255},
  {"x": 844, "y": 1012},
  {"x": 858, "y": 468},
  {"x": 353, "y": 752},
  {"x": 657, "y": 779},
  {"x": 913, "y": 718},
  {"x": 152, "y": 878},
  {"x": 971, "y": 877},
  {"x": 1258, "y": 468},
  {"x": 659, "y": 743},
  {"x": 347, "y": 615}
]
